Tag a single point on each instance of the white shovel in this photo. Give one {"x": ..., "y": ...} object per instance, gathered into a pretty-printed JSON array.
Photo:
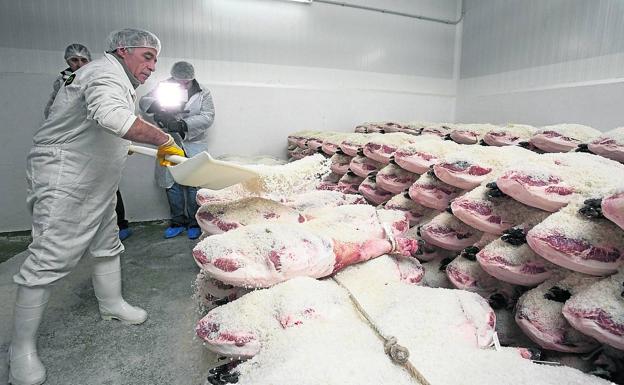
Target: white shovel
[{"x": 202, "y": 170}]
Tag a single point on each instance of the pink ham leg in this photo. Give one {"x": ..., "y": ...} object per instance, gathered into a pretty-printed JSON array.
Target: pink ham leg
[
  {"x": 609, "y": 148},
  {"x": 211, "y": 293},
  {"x": 416, "y": 214},
  {"x": 461, "y": 174},
  {"x": 449, "y": 233},
  {"x": 598, "y": 311},
  {"x": 350, "y": 182},
  {"x": 216, "y": 218},
  {"x": 417, "y": 162},
  {"x": 340, "y": 163},
  {"x": 538, "y": 313},
  {"x": 263, "y": 255},
  {"x": 362, "y": 166},
  {"x": 500, "y": 139},
  {"x": 590, "y": 246},
  {"x": 551, "y": 141},
  {"x": 372, "y": 192},
  {"x": 548, "y": 193},
  {"x": 394, "y": 179},
  {"x": 430, "y": 192},
  {"x": 613, "y": 208}
]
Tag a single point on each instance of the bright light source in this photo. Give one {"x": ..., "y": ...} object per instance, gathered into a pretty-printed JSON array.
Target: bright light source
[{"x": 171, "y": 95}]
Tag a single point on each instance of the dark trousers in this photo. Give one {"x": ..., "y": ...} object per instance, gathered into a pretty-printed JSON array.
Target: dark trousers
[
  {"x": 183, "y": 205},
  {"x": 121, "y": 213}
]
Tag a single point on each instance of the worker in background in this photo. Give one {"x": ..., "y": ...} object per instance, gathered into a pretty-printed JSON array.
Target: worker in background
[
  {"x": 185, "y": 110},
  {"x": 76, "y": 56},
  {"x": 73, "y": 171}
]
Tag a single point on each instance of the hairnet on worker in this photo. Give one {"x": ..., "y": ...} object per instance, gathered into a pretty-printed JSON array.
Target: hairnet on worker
[
  {"x": 132, "y": 38},
  {"x": 183, "y": 70},
  {"x": 77, "y": 50}
]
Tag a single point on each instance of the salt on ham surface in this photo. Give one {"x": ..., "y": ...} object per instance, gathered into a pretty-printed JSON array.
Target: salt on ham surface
[
  {"x": 515, "y": 264},
  {"x": 470, "y": 133},
  {"x": 216, "y": 218},
  {"x": 598, "y": 311},
  {"x": 431, "y": 192},
  {"x": 381, "y": 148},
  {"x": 394, "y": 179},
  {"x": 373, "y": 192},
  {"x": 417, "y": 157},
  {"x": 332, "y": 143},
  {"x": 340, "y": 163},
  {"x": 349, "y": 183},
  {"x": 415, "y": 212},
  {"x": 609, "y": 144},
  {"x": 352, "y": 144},
  {"x": 472, "y": 165},
  {"x": 362, "y": 166},
  {"x": 210, "y": 293},
  {"x": 509, "y": 135},
  {"x": 566, "y": 238},
  {"x": 439, "y": 129},
  {"x": 318, "y": 199},
  {"x": 562, "y": 137},
  {"x": 492, "y": 214},
  {"x": 612, "y": 206},
  {"x": 538, "y": 313},
  {"x": 435, "y": 272},
  {"x": 449, "y": 233}
]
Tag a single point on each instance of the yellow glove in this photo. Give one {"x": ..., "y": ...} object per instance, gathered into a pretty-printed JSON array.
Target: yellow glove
[{"x": 168, "y": 148}]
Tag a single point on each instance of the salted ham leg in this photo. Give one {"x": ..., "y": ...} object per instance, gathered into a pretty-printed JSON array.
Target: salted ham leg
[
  {"x": 394, "y": 179},
  {"x": 598, "y": 311},
  {"x": 613, "y": 208},
  {"x": 265, "y": 254},
  {"x": 431, "y": 192},
  {"x": 449, "y": 233},
  {"x": 373, "y": 192},
  {"x": 538, "y": 313}
]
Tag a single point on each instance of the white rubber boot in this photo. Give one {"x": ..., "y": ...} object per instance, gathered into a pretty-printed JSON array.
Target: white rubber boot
[
  {"x": 25, "y": 366},
  {"x": 107, "y": 286}
]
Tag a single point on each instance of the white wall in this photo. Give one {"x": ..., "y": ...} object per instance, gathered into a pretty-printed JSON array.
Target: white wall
[
  {"x": 542, "y": 62},
  {"x": 273, "y": 67}
]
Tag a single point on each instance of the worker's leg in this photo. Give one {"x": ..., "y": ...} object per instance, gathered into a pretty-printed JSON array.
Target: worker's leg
[
  {"x": 122, "y": 223},
  {"x": 175, "y": 195},
  {"x": 62, "y": 229},
  {"x": 26, "y": 367},
  {"x": 106, "y": 278},
  {"x": 191, "y": 210}
]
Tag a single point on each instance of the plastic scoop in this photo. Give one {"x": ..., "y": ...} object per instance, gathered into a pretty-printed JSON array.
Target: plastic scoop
[{"x": 202, "y": 170}]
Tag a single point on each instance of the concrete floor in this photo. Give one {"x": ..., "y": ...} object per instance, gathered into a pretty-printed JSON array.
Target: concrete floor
[{"x": 77, "y": 347}]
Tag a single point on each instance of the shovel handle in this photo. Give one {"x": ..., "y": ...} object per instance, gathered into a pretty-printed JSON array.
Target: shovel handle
[{"x": 153, "y": 152}]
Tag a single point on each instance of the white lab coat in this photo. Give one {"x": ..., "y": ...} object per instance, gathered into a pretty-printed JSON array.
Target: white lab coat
[
  {"x": 73, "y": 171},
  {"x": 198, "y": 114}
]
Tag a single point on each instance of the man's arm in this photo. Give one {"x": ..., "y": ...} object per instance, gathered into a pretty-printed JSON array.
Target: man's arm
[{"x": 143, "y": 132}]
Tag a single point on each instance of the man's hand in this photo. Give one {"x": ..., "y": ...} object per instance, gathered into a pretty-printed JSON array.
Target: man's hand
[
  {"x": 168, "y": 148},
  {"x": 169, "y": 123}
]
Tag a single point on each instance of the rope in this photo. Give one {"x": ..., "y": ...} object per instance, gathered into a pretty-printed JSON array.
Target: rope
[{"x": 397, "y": 353}]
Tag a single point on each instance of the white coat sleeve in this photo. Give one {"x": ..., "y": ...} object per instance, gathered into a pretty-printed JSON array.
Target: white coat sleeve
[
  {"x": 107, "y": 104},
  {"x": 198, "y": 124}
]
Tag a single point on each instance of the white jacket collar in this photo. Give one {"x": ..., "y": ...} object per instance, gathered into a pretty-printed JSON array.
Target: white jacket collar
[{"x": 122, "y": 72}]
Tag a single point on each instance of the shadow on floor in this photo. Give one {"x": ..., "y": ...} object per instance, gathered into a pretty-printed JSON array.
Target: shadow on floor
[{"x": 77, "y": 347}]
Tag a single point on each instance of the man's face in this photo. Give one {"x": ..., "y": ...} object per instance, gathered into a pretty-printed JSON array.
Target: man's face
[
  {"x": 140, "y": 61},
  {"x": 76, "y": 62}
]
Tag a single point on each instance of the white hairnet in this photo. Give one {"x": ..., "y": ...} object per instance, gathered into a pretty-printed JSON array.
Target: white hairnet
[
  {"x": 183, "y": 70},
  {"x": 77, "y": 50},
  {"x": 132, "y": 38}
]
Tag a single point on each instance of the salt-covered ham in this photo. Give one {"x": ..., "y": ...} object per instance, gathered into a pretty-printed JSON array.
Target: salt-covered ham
[
  {"x": 329, "y": 182},
  {"x": 485, "y": 209},
  {"x": 514, "y": 263},
  {"x": 419, "y": 156},
  {"x": 211, "y": 293},
  {"x": 381, "y": 148},
  {"x": 265, "y": 254},
  {"x": 470, "y": 133},
  {"x": 473, "y": 165},
  {"x": 216, "y": 218},
  {"x": 373, "y": 192},
  {"x": 509, "y": 135},
  {"x": 309, "y": 200},
  {"x": 331, "y": 144},
  {"x": 562, "y": 137},
  {"x": 362, "y": 165},
  {"x": 350, "y": 182},
  {"x": 598, "y": 311},
  {"x": 449, "y": 233},
  {"x": 609, "y": 144},
  {"x": 538, "y": 313},
  {"x": 435, "y": 272},
  {"x": 340, "y": 162},
  {"x": 431, "y": 192},
  {"x": 613, "y": 207},
  {"x": 394, "y": 179},
  {"x": 438, "y": 129},
  {"x": 355, "y": 143},
  {"x": 567, "y": 238},
  {"x": 416, "y": 213},
  {"x": 550, "y": 181}
]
